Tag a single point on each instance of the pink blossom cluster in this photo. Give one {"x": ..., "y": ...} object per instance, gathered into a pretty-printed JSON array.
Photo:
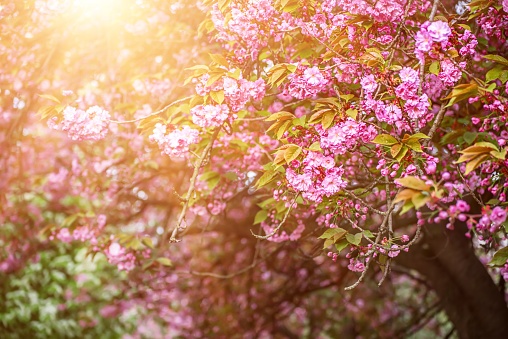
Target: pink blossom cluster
[
  {"x": 118, "y": 255},
  {"x": 449, "y": 73},
  {"x": 236, "y": 92},
  {"x": 369, "y": 84},
  {"x": 250, "y": 23},
  {"x": 494, "y": 22},
  {"x": 415, "y": 106},
  {"x": 81, "y": 125},
  {"x": 84, "y": 233},
  {"x": 306, "y": 82},
  {"x": 81, "y": 233},
  {"x": 468, "y": 41},
  {"x": 437, "y": 31},
  {"x": 345, "y": 135},
  {"x": 491, "y": 222},
  {"x": 356, "y": 265},
  {"x": 382, "y": 10},
  {"x": 282, "y": 236},
  {"x": 209, "y": 115},
  {"x": 346, "y": 72},
  {"x": 216, "y": 207},
  {"x": 175, "y": 143},
  {"x": 316, "y": 176}
]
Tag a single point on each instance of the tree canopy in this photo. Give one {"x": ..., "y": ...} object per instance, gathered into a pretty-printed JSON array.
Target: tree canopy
[{"x": 253, "y": 168}]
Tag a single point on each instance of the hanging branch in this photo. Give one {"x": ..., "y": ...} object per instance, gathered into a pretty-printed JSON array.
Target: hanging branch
[
  {"x": 192, "y": 187},
  {"x": 155, "y": 113}
]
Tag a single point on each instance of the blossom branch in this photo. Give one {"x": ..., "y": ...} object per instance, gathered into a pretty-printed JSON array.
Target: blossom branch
[
  {"x": 155, "y": 113},
  {"x": 197, "y": 167}
]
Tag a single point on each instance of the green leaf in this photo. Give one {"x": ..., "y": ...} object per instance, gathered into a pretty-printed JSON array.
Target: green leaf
[
  {"x": 164, "y": 261},
  {"x": 282, "y": 115},
  {"x": 316, "y": 147},
  {"x": 383, "y": 258},
  {"x": 496, "y": 58},
  {"x": 147, "y": 241},
  {"x": 341, "y": 245},
  {"x": 395, "y": 149},
  {"x": 266, "y": 178},
  {"x": 49, "y": 97},
  {"x": 500, "y": 257},
  {"x": 292, "y": 153},
  {"x": 213, "y": 182},
  {"x": 434, "y": 68},
  {"x": 384, "y": 139},
  {"x": 231, "y": 176},
  {"x": 414, "y": 183},
  {"x": 493, "y": 202},
  {"x": 199, "y": 67},
  {"x": 283, "y": 129},
  {"x": 220, "y": 59},
  {"x": 217, "y": 96},
  {"x": 331, "y": 232},
  {"x": 328, "y": 119},
  {"x": 419, "y": 200},
  {"x": 419, "y": 136},
  {"x": 474, "y": 163},
  {"x": 469, "y": 137},
  {"x": 214, "y": 76},
  {"x": 493, "y": 74},
  {"x": 260, "y": 217},
  {"x": 354, "y": 239},
  {"x": 487, "y": 144},
  {"x": 353, "y": 113},
  {"x": 69, "y": 220},
  {"x": 499, "y": 155},
  {"x": 208, "y": 175},
  {"x": 402, "y": 153},
  {"x": 407, "y": 206},
  {"x": 368, "y": 234},
  {"x": 414, "y": 145}
]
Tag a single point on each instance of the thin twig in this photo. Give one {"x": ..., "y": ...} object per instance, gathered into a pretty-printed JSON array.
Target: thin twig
[
  {"x": 155, "y": 113},
  {"x": 282, "y": 222},
  {"x": 197, "y": 167}
]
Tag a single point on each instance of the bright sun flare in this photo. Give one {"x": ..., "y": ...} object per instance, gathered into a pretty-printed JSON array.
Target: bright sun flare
[{"x": 99, "y": 6}]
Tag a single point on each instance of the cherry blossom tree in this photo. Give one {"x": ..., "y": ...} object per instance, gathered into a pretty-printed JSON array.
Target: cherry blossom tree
[{"x": 254, "y": 168}]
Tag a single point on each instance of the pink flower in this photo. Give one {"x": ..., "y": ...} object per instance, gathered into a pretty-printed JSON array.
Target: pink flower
[
  {"x": 393, "y": 254},
  {"x": 498, "y": 216},
  {"x": 462, "y": 206},
  {"x": 476, "y": 120},
  {"x": 332, "y": 184},
  {"x": 423, "y": 41},
  {"x": 408, "y": 74},
  {"x": 431, "y": 167},
  {"x": 177, "y": 142},
  {"x": 449, "y": 74},
  {"x": 300, "y": 182},
  {"x": 115, "y": 249},
  {"x": 81, "y": 125},
  {"x": 411, "y": 169},
  {"x": 209, "y": 115},
  {"x": 439, "y": 31},
  {"x": 64, "y": 235},
  {"x": 369, "y": 83},
  {"x": 313, "y": 76}
]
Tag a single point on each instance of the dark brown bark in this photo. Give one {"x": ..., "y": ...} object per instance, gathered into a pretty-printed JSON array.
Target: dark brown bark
[{"x": 473, "y": 302}]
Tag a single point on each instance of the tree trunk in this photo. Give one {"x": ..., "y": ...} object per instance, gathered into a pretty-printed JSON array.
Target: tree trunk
[{"x": 473, "y": 302}]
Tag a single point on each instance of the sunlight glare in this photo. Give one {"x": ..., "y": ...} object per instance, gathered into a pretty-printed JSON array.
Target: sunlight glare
[{"x": 99, "y": 7}]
